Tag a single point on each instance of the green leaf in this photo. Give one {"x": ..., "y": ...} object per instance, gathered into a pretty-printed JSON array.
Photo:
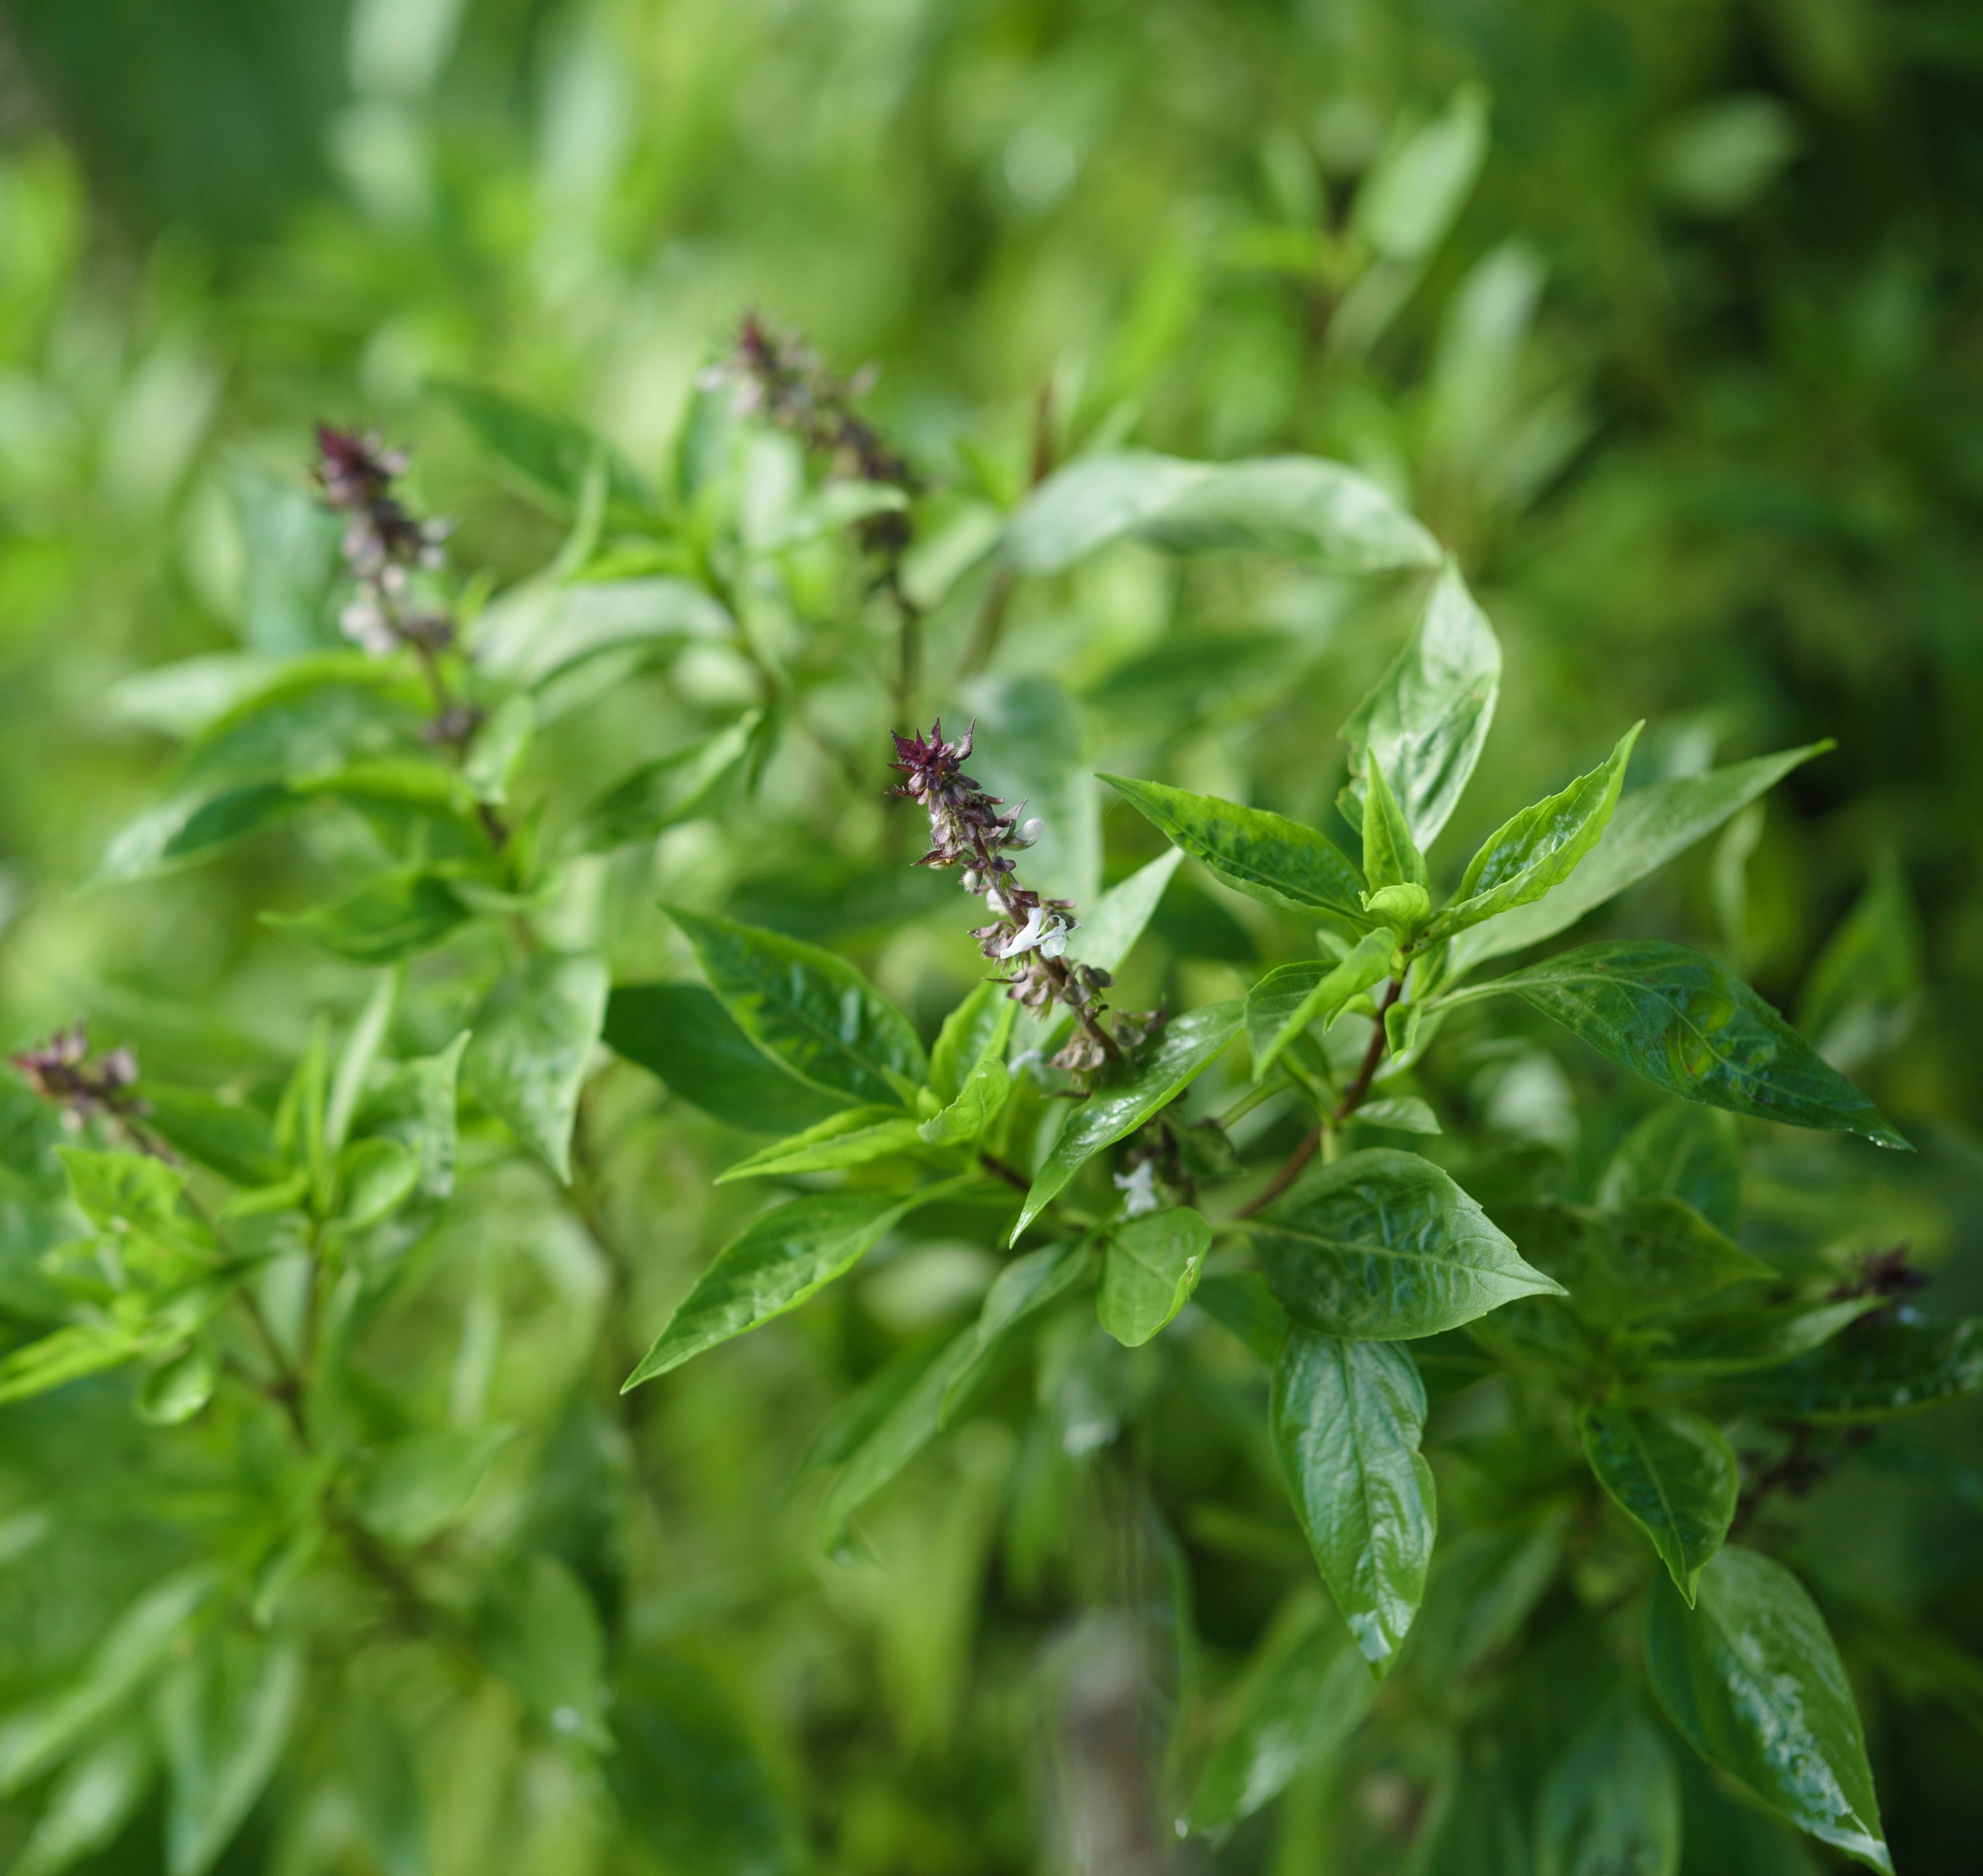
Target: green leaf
[
  {"x": 174, "y": 1394},
  {"x": 1151, "y": 1266},
  {"x": 355, "y": 1059},
  {"x": 1415, "y": 194},
  {"x": 1894, "y": 1363},
  {"x": 781, "y": 1258},
  {"x": 1651, "y": 825},
  {"x": 1690, "y": 1026},
  {"x": 1611, "y": 1806},
  {"x": 538, "y": 1628},
  {"x": 415, "y": 1105},
  {"x": 69, "y": 1354},
  {"x": 1277, "y": 861},
  {"x": 193, "y": 827},
  {"x": 290, "y": 544},
  {"x": 233, "y": 1139},
  {"x": 1130, "y": 1094},
  {"x": 420, "y": 784},
  {"x": 1404, "y": 1113},
  {"x": 1020, "y": 1291},
  {"x": 90, "y": 1803},
  {"x": 536, "y": 633},
  {"x": 1651, "y": 1256},
  {"x": 1383, "y": 1245},
  {"x": 1532, "y": 854},
  {"x": 131, "y": 1194},
  {"x": 1239, "y": 1301},
  {"x": 1307, "y": 1695},
  {"x": 1685, "y": 1151},
  {"x": 532, "y": 1045},
  {"x": 967, "y": 1067},
  {"x": 1751, "y": 1680},
  {"x": 552, "y": 454},
  {"x": 681, "y": 786},
  {"x": 1031, "y": 740},
  {"x": 422, "y": 1485},
  {"x": 681, "y": 1033},
  {"x": 1346, "y": 1418},
  {"x": 141, "y": 1641},
  {"x": 499, "y": 749},
  {"x": 809, "y": 1010},
  {"x": 1391, "y": 859},
  {"x": 851, "y": 1138},
  {"x": 1860, "y": 995},
  {"x": 1428, "y": 716},
  {"x": 224, "y": 1720},
  {"x": 1106, "y": 935},
  {"x": 375, "y": 1177},
  {"x": 1736, "y": 1341},
  {"x": 395, "y": 915},
  {"x": 1296, "y": 506},
  {"x": 1672, "y": 1475}
]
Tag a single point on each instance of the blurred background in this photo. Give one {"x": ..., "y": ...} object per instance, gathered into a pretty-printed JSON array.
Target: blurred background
[{"x": 1671, "y": 325}]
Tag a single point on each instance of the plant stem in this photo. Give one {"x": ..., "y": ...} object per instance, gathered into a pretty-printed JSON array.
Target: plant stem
[{"x": 998, "y": 1168}]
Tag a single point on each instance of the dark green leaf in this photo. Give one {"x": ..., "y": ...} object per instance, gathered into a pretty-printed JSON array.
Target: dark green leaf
[
  {"x": 1651, "y": 1256},
  {"x": 1686, "y": 1151},
  {"x": 849, "y": 1138},
  {"x": 395, "y": 915},
  {"x": 531, "y": 1046},
  {"x": 538, "y": 1629},
  {"x": 1275, "y": 860},
  {"x": 1429, "y": 714},
  {"x": 1151, "y": 1266},
  {"x": 195, "y": 826},
  {"x": 421, "y": 1485},
  {"x": 1610, "y": 1805},
  {"x": 1272, "y": 1025},
  {"x": 1895, "y": 1363},
  {"x": 909, "y": 1425},
  {"x": 1690, "y": 1026},
  {"x": 1383, "y": 1245},
  {"x": 224, "y": 1720},
  {"x": 1734, "y": 1341},
  {"x": 1752, "y": 1680},
  {"x": 1240, "y": 1301},
  {"x": 808, "y": 1009},
  {"x": 1672, "y": 1475},
  {"x": 1347, "y": 1421},
  {"x": 1860, "y": 996},
  {"x": 90, "y": 1803},
  {"x": 235, "y": 1140},
  {"x": 1130, "y": 1094},
  {"x": 551, "y": 453},
  {"x": 678, "y": 787},
  {"x": 1024, "y": 1288}
]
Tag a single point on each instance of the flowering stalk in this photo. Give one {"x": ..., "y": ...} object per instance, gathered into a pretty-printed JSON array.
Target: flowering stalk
[
  {"x": 61, "y": 1071},
  {"x": 973, "y": 829}
]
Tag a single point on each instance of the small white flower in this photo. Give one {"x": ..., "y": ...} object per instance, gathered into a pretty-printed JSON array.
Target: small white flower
[
  {"x": 1140, "y": 1189},
  {"x": 1025, "y": 939},
  {"x": 1028, "y": 833},
  {"x": 365, "y": 625},
  {"x": 1030, "y": 1061},
  {"x": 1053, "y": 940}
]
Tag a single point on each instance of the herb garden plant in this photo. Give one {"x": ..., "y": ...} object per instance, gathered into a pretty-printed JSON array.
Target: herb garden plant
[{"x": 1276, "y": 1313}]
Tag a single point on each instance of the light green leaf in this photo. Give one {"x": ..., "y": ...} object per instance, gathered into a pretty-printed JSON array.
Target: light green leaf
[
  {"x": 375, "y": 1177},
  {"x": 1133, "y": 1093},
  {"x": 1413, "y": 196},
  {"x": 851, "y": 1138},
  {"x": 551, "y": 454},
  {"x": 1532, "y": 854},
  {"x": 1690, "y": 1026},
  {"x": 536, "y": 633},
  {"x": 1032, "y": 742},
  {"x": 290, "y": 544},
  {"x": 355, "y": 1059},
  {"x": 809, "y": 1010},
  {"x": 1672, "y": 1475},
  {"x": 1611, "y": 1806},
  {"x": 1105, "y": 936},
  {"x": 69, "y": 1354},
  {"x": 1752, "y": 1680},
  {"x": 781, "y": 1258},
  {"x": 194, "y": 827},
  {"x": 1390, "y": 858},
  {"x": 421, "y": 1485},
  {"x": 531, "y": 1049},
  {"x": 419, "y": 784},
  {"x": 130, "y": 1193},
  {"x": 395, "y": 915},
  {"x": 1383, "y": 1245},
  {"x": 174, "y": 1394},
  {"x": 1150, "y": 1267},
  {"x": 1896, "y": 1364},
  {"x": 1346, "y": 1418},
  {"x": 1024, "y": 1288},
  {"x": 967, "y": 1067},
  {"x": 1429, "y": 714},
  {"x": 681, "y": 786},
  {"x": 1686, "y": 1151},
  {"x": 89, "y": 1804},
  {"x": 499, "y": 746},
  {"x": 1403, "y": 1113},
  {"x": 415, "y": 1105},
  {"x": 1267, "y": 857},
  {"x": 1651, "y": 826},
  {"x": 538, "y": 1628},
  {"x": 233, "y": 1139},
  {"x": 1643, "y": 1259},
  {"x": 224, "y": 1719}
]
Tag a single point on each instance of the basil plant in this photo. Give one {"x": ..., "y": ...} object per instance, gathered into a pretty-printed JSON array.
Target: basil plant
[{"x": 1266, "y": 1278}]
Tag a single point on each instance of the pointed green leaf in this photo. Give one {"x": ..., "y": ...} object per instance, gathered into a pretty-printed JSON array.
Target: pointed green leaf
[
  {"x": 224, "y": 1719},
  {"x": 1267, "y": 857},
  {"x": 196, "y": 826},
  {"x": 1672, "y": 1475},
  {"x": 532, "y": 1045},
  {"x": 395, "y": 915},
  {"x": 967, "y": 1067},
  {"x": 1685, "y": 1150},
  {"x": 809, "y": 1010},
  {"x": 1105, "y": 936},
  {"x": 1532, "y": 854},
  {"x": 1391, "y": 858},
  {"x": 1611, "y": 1806},
  {"x": 851, "y": 1138},
  {"x": 1739, "y": 1341},
  {"x": 1688, "y": 1024},
  {"x": 682, "y": 786},
  {"x": 1024, "y": 1288},
  {"x": 415, "y": 1106},
  {"x": 1650, "y": 1257},
  {"x": 1368, "y": 963},
  {"x": 1151, "y": 1266},
  {"x": 1751, "y": 1679},
  {"x": 1429, "y": 714},
  {"x": 1383, "y": 1246},
  {"x": 90, "y": 1803},
  {"x": 69, "y": 1354},
  {"x": 1894, "y": 1363},
  {"x": 1133, "y": 1093},
  {"x": 910, "y": 1425},
  {"x": 1346, "y": 1419}
]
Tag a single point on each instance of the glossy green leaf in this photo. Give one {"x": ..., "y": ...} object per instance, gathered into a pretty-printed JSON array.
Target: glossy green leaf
[
  {"x": 1383, "y": 1245},
  {"x": 1894, "y": 1363},
  {"x": 1672, "y": 1474},
  {"x": 1429, "y": 714},
  {"x": 1133, "y": 1093},
  {"x": 1150, "y": 1268},
  {"x": 1737, "y": 1341},
  {"x": 1645, "y": 1257},
  {"x": 224, "y": 1720},
  {"x": 1689, "y": 1025},
  {"x": 550, "y": 453},
  {"x": 531, "y": 1047},
  {"x": 851, "y": 1138},
  {"x": 1346, "y": 1418},
  {"x": 1750, "y": 1678},
  {"x": 1685, "y": 1151},
  {"x": 1292, "y": 505},
  {"x": 1264, "y": 855},
  {"x": 1020, "y": 1291},
  {"x": 1370, "y": 961},
  {"x": 395, "y": 915},
  {"x": 1391, "y": 858},
  {"x": 421, "y": 1485},
  {"x": 809, "y": 1010},
  {"x": 680, "y": 786},
  {"x": 782, "y": 1257},
  {"x": 1649, "y": 827},
  {"x": 234, "y": 1139},
  {"x": 1532, "y": 854},
  {"x": 1305, "y": 1698},
  {"x": 90, "y": 1803},
  {"x": 416, "y": 1105},
  {"x": 1611, "y": 1806},
  {"x": 682, "y": 1033},
  {"x": 967, "y": 1067}
]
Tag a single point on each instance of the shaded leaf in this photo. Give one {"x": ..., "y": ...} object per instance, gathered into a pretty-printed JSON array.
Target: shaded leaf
[
  {"x": 224, "y": 1720},
  {"x": 552, "y": 454},
  {"x": 1032, "y": 737},
  {"x": 1239, "y": 1301},
  {"x": 1271, "y": 1027},
  {"x": 1894, "y": 1363},
  {"x": 1611, "y": 1806},
  {"x": 538, "y": 1629},
  {"x": 233, "y": 1139},
  {"x": 416, "y": 1105},
  {"x": 1649, "y": 1256},
  {"x": 1150, "y": 1267},
  {"x": 421, "y": 1485},
  {"x": 1685, "y": 1151},
  {"x": 534, "y": 634},
  {"x": 1672, "y": 1474},
  {"x": 680, "y": 786},
  {"x": 1734, "y": 1341},
  {"x": 395, "y": 915},
  {"x": 195, "y": 826},
  {"x": 1024, "y": 1288},
  {"x": 1106, "y": 935},
  {"x": 531, "y": 1046},
  {"x": 89, "y": 1804}
]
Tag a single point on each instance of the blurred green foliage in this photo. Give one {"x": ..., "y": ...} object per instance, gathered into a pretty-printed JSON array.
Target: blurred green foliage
[{"x": 1674, "y": 337}]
